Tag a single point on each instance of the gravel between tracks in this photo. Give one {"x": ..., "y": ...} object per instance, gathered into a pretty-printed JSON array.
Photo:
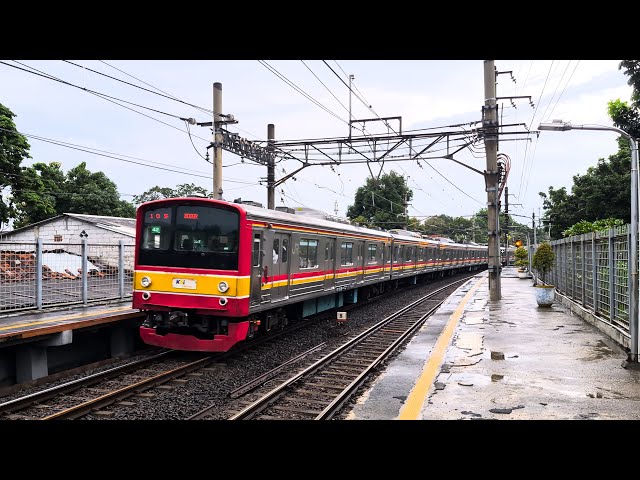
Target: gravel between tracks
[{"x": 213, "y": 387}]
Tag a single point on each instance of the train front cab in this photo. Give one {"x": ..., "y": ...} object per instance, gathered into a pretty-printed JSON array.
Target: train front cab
[{"x": 191, "y": 276}]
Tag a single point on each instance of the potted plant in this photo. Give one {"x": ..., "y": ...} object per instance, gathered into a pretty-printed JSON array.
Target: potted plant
[
  {"x": 543, "y": 261},
  {"x": 522, "y": 261}
]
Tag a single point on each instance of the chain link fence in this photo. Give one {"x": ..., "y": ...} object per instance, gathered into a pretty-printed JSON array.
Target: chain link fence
[
  {"x": 593, "y": 270},
  {"x": 36, "y": 275}
]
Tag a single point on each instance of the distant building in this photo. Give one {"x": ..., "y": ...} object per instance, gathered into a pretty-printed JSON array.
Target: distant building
[
  {"x": 70, "y": 228},
  {"x": 63, "y": 235}
]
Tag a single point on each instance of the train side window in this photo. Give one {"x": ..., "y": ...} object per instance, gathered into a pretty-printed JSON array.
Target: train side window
[
  {"x": 373, "y": 248},
  {"x": 396, "y": 254},
  {"x": 276, "y": 250},
  {"x": 285, "y": 247},
  {"x": 308, "y": 253},
  {"x": 256, "y": 250},
  {"x": 326, "y": 252},
  {"x": 346, "y": 253}
]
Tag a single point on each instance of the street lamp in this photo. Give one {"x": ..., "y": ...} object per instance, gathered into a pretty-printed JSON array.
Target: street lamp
[{"x": 560, "y": 126}]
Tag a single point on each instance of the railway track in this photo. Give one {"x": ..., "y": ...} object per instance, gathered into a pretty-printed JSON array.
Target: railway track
[
  {"x": 110, "y": 388},
  {"x": 101, "y": 395},
  {"x": 321, "y": 390}
]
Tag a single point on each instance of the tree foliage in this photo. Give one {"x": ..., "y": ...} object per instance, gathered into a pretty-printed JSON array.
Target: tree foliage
[
  {"x": 625, "y": 116},
  {"x": 13, "y": 149},
  {"x": 43, "y": 191},
  {"x": 522, "y": 257},
  {"x": 182, "y": 190},
  {"x": 543, "y": 258},
  {"x": 602, "y": 192},
  {"x": 381, "y": 202},
  {"x": 584, "y": 226}
]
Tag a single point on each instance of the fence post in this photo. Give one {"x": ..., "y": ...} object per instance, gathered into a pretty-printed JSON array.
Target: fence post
[
  {"x": 612, "y": 276},
  {"x": 594, "y": 273},
  {"x": 121, "y": 268},
  {"x": 39, "y": 273},
  {"x": 84, "y": 272},
  {"x": 573, "y": 270},
  {"x": 583, "y": 272}
]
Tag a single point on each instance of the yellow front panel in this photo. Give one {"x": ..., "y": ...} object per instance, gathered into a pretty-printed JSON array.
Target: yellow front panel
[{"x": 204, "y": 284}]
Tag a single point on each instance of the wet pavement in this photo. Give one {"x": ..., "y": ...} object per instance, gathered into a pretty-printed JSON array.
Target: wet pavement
[{"x": 507, "y": 359}]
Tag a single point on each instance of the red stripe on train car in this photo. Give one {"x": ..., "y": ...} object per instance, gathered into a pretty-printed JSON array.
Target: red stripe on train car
[{"x": 235, "y": 307}]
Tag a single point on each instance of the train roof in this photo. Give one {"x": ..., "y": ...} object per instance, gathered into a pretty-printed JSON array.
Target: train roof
[
  {"x": 303, "y": 219},
  {"x": 260, "y": 213}
]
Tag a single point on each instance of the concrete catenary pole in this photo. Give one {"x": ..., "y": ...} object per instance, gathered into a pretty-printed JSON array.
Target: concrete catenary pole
[
  {"x": 490, "y": 124},
  {"x": 271, "y": 168},
  {"x": 217, "y": 141},
  {"x": 506, "y": 223}
]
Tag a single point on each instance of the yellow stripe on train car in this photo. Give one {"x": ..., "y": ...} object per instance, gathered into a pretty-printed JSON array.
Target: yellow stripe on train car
[{"x": 193, "y": 283}]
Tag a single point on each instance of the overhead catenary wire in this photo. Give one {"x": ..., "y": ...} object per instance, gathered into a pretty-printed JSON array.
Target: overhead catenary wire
[
  {"x": 299, "y": 90},
  {"x": 98, "y": 153},
  {"x": 376, "y": 114},
  {"x": 170, "y": 97},
  {"x": 51, "y": 77},
  {"x": 88, "y": 90}
]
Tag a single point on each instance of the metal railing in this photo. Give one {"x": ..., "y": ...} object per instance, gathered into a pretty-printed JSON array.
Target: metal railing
[
  {"x": 592, "y": 270},
  {"x": 35, "y": 275}
]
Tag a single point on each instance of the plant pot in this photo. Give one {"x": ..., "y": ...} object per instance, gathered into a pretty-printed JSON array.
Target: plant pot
[
  {"x": 522, "y": 274},
  {"x": 545, "y": 295}
]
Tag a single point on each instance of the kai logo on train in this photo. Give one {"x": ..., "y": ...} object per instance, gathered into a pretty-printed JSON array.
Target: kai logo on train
[{"x": 184, "y": 283}]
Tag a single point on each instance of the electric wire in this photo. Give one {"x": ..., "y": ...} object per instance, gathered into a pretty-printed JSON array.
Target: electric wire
[
  {"x": 299, "y": 90},
  {"x": 170, "y": 97}
]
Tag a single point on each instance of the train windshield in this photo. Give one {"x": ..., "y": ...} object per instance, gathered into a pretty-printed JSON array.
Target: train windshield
[{"x": 192, "y": 236}]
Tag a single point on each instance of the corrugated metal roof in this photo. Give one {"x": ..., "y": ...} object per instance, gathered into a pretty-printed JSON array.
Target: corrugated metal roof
[{"x": 124, "y": 226}]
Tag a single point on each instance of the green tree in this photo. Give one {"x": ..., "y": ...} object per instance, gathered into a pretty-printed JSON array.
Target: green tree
[
  {"x": 182, "y": 190},
  {"x": 13, "y": 149},
  {"x": 42, "y": 191},
  {"x": 36, "y": 191},
  {"x": 595, "y": 195},
  {"x": 627, "y": 116},
  {"x": 381, "y": 202},
  {"x": 584, "y": 226},
  {"x": 522, "y": 257},
  {"x": 92, "y": 194},
  {"x": 543, "y": 258}
]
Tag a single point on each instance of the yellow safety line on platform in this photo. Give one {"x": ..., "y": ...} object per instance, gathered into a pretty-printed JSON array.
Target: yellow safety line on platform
[
  {"x": 58, "y": 319},
  {"x": 418, "y": 395}
]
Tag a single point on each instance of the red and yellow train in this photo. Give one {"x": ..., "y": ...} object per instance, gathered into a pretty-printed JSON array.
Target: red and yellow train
[{"x": 210, "y": 273}]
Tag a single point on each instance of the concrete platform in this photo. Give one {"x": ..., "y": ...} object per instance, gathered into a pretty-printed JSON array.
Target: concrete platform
[
  {"x": 506, "y": 359},
  {"x": 29, "y": 325}
]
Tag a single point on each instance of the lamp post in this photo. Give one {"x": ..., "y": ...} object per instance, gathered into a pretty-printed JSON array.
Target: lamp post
[{"x": 558, "y": 125}]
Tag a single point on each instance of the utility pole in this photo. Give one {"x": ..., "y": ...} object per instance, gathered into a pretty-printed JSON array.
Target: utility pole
[
  {"x": 335, "y": 206},
  {"x": 490, "y": 125},
  {"x": 217, "y": 141},
  {"x": 533, "y": 225},
  {"x": 406, "y": 218},
  {"x": 506, "y": 223},
  {"x": 271, "y": 168},
  {"x": 351, "y": 77}
]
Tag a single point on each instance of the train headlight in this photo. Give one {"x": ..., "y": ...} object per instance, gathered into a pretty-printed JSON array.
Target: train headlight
[
  {"x": 145, "y": 281},
  {"x": 223, "y": 286}
]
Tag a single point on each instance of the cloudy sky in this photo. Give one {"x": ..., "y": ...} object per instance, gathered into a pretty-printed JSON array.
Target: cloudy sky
[{"x": 425, "y": 93}]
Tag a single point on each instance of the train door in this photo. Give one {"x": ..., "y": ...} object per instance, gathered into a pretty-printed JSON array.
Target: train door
[
  {"x": 360, "y": 262},
  {"x": 329, "y": 263},
  {"x": 280, "y": 270},
  {"x": 386, "y": 260},
  {"x": 256, "y": 270}
]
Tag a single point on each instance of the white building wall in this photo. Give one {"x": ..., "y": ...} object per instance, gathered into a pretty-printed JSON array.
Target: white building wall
[{"x": 69, "y": 229}]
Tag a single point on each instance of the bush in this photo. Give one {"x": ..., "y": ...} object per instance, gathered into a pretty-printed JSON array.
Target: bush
[
  {"x": 522, "y": 257},
  {"x": 543, "y": 258}
]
